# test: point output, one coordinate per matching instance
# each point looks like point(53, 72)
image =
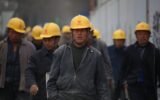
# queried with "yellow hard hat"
point(28, 29)
point(92, 27)
point(50, 30)
point(79, 22)
point(36, 32)
point(17, 25)
point(119, 34)
point(96, 33)
point(142, 26)
point(66, 29)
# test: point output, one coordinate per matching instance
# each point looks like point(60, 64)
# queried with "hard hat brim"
point(48, 36)
point(118, 38)
point(19, 31)
point(80, 27)
point(37, 38)
point(142, 30)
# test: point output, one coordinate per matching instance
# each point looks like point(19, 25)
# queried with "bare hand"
point(34, 89)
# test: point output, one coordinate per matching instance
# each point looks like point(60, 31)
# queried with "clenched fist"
point(34, 89)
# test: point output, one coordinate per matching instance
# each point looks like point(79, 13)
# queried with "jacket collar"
point(146, 45)
point(69, 45)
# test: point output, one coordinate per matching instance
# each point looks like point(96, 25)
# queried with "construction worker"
point(77, 71)
point(36, 39)
point(14, 51)
point(28, 33)
point(96, 34)
point(101, 46)
point(66, 36)
point(141, 66)
point(40, 62)
point(116, 53)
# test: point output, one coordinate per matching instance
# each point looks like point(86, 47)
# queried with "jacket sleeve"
point(53, 76)
point(157, 62)
point(106, 58)
point(125, 68)
point(101, 81)
point(30, 72)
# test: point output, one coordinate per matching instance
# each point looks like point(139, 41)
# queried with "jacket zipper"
point(75, 71)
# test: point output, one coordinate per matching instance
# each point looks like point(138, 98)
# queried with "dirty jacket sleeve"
point(157, 62)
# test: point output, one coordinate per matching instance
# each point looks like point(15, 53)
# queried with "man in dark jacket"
point(77, 71)
point(66, 36)
point(36, 39)
point(116, 53)
point(40, 62)
point(141, 66)
point(101, 46)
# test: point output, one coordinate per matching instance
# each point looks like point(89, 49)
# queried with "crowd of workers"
point(80, 64)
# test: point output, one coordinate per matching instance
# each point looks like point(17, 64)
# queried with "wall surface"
point(154, 18)
point(126, 14)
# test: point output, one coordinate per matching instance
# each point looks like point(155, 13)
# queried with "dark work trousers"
point(141, 92)
point(11, 92)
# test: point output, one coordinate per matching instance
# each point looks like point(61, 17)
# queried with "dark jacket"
point(136, 63)
point(116, 56)
point(88, 82)
point(25, 51)
point(64, 39)
point(39, 64)
point(102, 47)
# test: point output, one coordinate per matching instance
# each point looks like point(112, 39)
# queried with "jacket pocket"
point(87, 85)
point(63, 83)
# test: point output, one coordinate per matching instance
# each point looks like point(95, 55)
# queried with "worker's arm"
point(101, 81)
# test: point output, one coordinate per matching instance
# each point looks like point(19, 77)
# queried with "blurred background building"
point(110, 15)
point(41, 11)
point(106, 15)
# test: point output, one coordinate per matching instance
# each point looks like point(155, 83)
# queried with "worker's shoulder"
point(3, 41)
point(101, 42)
point(28, 44)
point(60, 49)
point(94, 50)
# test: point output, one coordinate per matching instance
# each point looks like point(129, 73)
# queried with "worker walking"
point(66, 36)
point(116, 53)
point(36, 38)
point(141, 66)
point(101, 46)
point(14, 51)
point(77, 71)
point(40, 62)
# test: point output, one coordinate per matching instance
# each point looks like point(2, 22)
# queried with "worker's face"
point(119, 43)
point(14, 36)
point(142, 37)
point(51, 43)
point(80, 36)
point(68, 35)
point(37, 42)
